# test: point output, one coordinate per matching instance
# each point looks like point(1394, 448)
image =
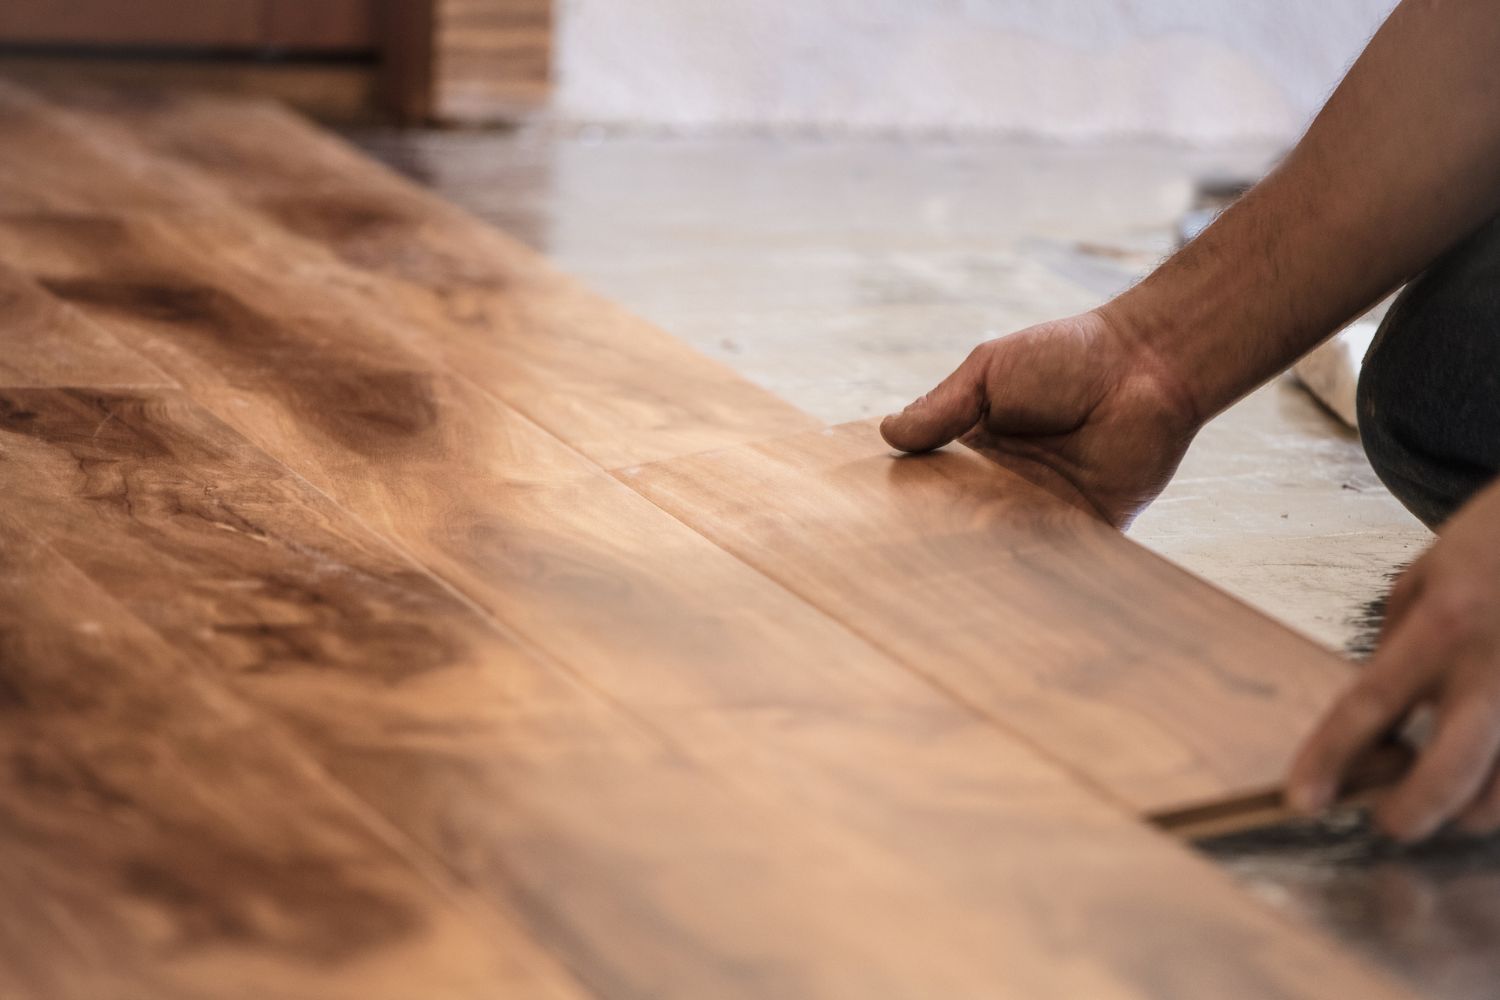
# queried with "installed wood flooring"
point(382, 614)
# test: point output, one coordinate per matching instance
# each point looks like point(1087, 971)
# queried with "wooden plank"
point(320, 25)
point(1138, 675)
point(1121, 727)
point(977, 865)
point(614, 387)
point(493, 59)
point(75, 258)
point(647, 879)
point(330, 92)
point(879, 840)
point(168, 290)
point(29, 163)
point(43, 343)
point(217, 23)
point(161, 841)
point(406, 32)
point(1372, 777)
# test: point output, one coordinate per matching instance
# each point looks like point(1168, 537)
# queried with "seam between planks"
point(448, 367)
point(1101, 795)
point(977, 712)
point(1266, 622)
point(80, 127)
point(437, 868)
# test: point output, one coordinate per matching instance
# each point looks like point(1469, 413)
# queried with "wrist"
point(1155, 368)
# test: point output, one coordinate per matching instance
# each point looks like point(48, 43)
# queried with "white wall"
point(1197, 70)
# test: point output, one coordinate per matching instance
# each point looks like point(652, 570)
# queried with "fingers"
point(1450, 772)
point(956, 405)
point(1391, 684)
point(1482, 816)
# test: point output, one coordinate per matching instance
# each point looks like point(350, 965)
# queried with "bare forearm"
point(1402, 163)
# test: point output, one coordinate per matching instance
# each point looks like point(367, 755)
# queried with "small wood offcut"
point(382, 614)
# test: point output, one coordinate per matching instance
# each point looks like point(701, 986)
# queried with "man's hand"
point(1440, 647)
point(1077, 406)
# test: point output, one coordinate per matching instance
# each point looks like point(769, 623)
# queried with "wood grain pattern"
point(320, 25)
point(493, 59)
point(503, 769)
point(38, 142)
point(161, 840)
point(44, 343)
point(612, 386)
point(716, 792)
point(734, 887)
point(406, 54)
point(234, 23)
point(306, 390)
point(341, 92)
point(1141, 677)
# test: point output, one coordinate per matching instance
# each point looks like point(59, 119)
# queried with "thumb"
point(943, 414)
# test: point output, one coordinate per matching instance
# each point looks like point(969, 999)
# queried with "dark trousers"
point(1429, 392)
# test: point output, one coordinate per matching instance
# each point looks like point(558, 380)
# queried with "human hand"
point(1440, 646)
point(1078, 406)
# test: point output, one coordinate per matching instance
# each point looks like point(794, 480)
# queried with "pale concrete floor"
point(849, 276)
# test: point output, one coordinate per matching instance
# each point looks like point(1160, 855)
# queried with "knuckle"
point(976, 366)
point(1421, 805)
point(1434, 798)
point(1456, 609)
point(1405, 816)
point(1481, 820)
point(1398, 826)
point(1367, 707)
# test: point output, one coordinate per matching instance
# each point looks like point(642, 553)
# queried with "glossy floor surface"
point(849, 275)
point(384, 613)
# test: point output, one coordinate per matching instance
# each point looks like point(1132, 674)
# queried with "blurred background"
point(1190, 70)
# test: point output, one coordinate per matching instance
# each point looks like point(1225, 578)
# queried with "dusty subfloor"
point(849, 276)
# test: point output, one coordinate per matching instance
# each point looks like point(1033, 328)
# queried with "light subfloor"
point(849, 276)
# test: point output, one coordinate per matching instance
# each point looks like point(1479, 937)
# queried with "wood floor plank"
point(44, 343)
point(37, 143)
point(611, 385)
point(159, 841)
point(645, 876)
point(286, 346)
point(783, 809)
point(1144, 678)
point(356, 414)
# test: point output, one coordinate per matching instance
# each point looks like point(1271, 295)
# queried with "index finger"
point(1397, 676)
